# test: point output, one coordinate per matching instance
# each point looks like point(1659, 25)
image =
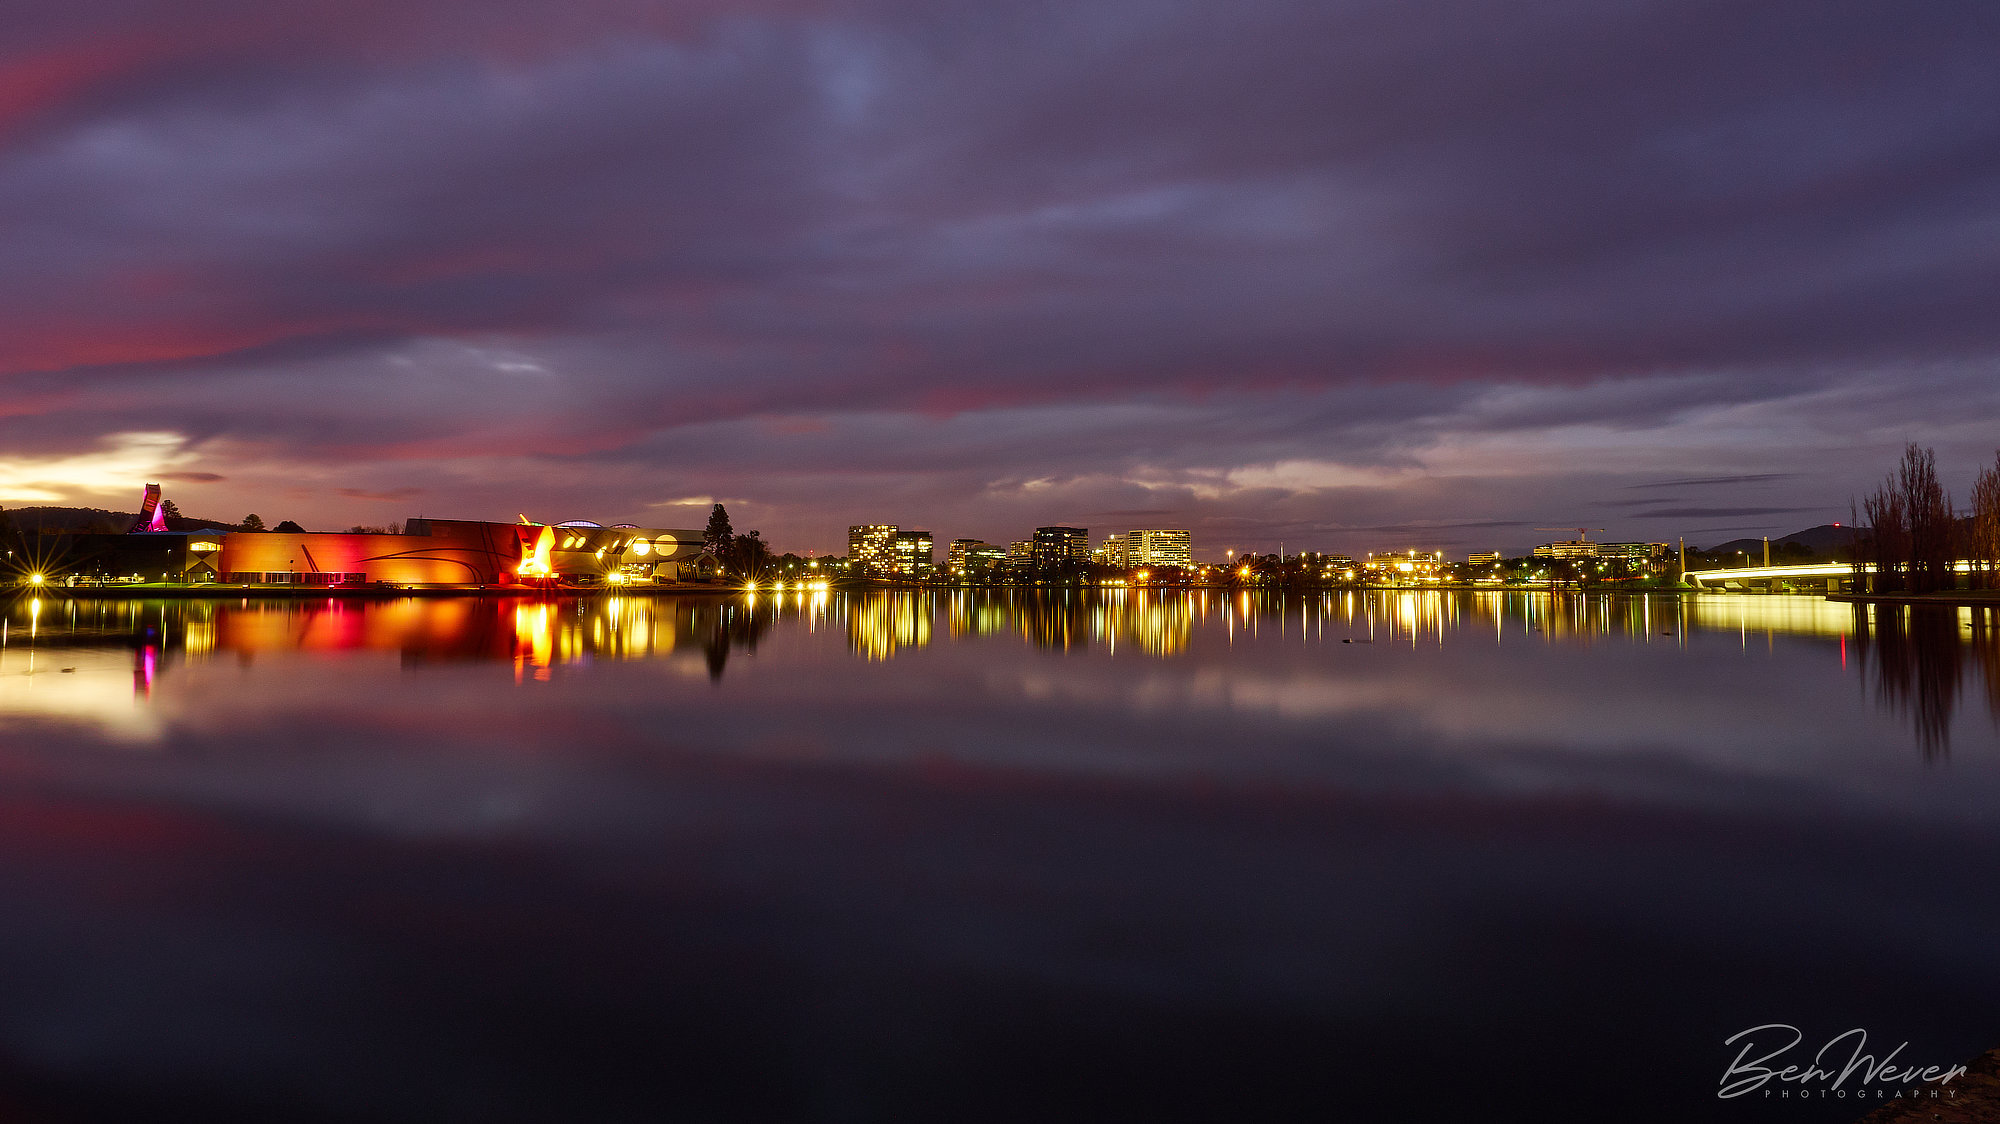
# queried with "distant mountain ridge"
point(1827, 539)
point(95, 520)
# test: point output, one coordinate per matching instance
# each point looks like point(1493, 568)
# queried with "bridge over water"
point(1822, 577)
point(1828, 577)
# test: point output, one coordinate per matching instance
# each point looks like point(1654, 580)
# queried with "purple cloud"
point(1272, 270)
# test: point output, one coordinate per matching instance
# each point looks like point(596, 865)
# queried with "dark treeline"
point(747, 556)
point(1915, 536)
point(1918, 658)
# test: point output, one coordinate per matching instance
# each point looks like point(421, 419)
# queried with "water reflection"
point(1918, 658)
point(1916, 662)
point(821, 850)
point(878, 627)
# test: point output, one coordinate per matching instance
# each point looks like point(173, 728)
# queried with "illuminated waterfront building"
point(1632, 552)
point(974, 556)
point(459, 552)
point(913, 553)
point(456, 553)
point(1483, 558)
point(145, 555)
point(1405, 565)
point(1569, 548)
point(1112, 551)
point(1157, 548)
point(871, 547)
point(1055, 546)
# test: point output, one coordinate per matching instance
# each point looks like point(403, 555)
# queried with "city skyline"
point(885, 546)
point(1335, 275)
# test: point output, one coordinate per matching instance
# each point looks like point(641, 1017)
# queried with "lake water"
point(898, 856)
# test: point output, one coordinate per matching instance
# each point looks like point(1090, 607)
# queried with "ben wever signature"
point(1884, 1076)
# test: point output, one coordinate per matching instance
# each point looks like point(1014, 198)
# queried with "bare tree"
point(1888, 542)
point(1933, 529)
point(1984, 549)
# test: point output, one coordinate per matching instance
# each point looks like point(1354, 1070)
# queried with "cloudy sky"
point(1346, 275)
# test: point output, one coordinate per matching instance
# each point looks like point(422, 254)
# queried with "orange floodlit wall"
point(461, 552)
point(455, 552)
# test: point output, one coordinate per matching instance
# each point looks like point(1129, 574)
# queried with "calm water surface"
point(1410, 856)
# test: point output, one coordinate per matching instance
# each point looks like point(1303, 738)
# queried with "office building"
point(1567, 549)
point(1421, 565)
point(1483, 558)
point(912, 554)
point(1111, 552)
point(984, 558)
point(973, 556)
point(1157, 548)
point(1631, 552)
point(871, 548)
point(1057, 546)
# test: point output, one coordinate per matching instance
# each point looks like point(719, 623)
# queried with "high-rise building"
point(1157, 548)
point(913, 553)
point(954, 559)
point(1112, 551)
point(871, 547)
point(1055, 546)
point(1631, 551)
point(973, 556)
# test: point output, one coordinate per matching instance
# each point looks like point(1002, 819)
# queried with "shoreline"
point(1959, 597)
point(217, 592)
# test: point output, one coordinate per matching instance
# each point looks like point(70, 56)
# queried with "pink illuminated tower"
point(152, 516)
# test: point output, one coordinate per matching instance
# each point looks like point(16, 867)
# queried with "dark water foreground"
point(908, 857)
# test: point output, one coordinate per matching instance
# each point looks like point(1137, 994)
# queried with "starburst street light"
point(38, 562)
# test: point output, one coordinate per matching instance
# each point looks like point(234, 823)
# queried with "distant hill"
point(1827, 540)
point(96, 520)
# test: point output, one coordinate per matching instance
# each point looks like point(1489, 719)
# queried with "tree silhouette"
point(1911, 532)
point(1985, 544)
point(719, 536)
point(749, 555)
point(1933, 531)
point(252, 522)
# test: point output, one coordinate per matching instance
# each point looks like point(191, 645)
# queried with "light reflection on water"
point(878, 625)
point(57, 655)
point(816, 856)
